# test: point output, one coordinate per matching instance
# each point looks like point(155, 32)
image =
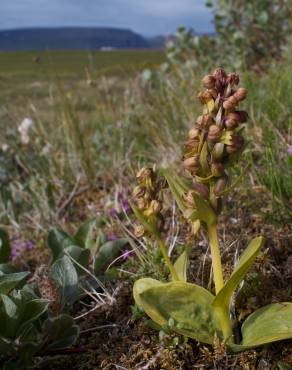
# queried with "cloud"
point(143, 16)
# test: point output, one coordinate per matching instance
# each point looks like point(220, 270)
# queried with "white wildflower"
point(24, 129)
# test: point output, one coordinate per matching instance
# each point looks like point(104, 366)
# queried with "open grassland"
point(59, 63)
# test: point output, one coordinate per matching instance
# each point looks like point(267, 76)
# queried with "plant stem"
point(167, 260)
point(216, 258)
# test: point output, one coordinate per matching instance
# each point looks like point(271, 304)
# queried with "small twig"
point(99, 327)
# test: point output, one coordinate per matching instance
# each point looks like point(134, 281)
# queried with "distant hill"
point(71, 38)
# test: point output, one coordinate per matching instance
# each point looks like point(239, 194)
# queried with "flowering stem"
point(167, 259)
point(216, 258)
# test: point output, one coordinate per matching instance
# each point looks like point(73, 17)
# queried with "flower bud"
point(240, 94)
point(205, 96)
point(201, 189)
point(193, 133)
point(220, 186)
point(192, 144)
point(214, 133)
point(230, 103)
point(217, 169)
point(191, 163)
point(217, 152)
point(155, 207)
point(233, 79)
point(189, 199)
point(139, 231)
point(141, 203)
point(138, 191)
point(220, 77)
point(208, 81)
point(237, 142)
point(243, 116)
point(232, 120)
point(144, 173)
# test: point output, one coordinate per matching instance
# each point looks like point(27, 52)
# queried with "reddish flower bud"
point(201, 189)
point(233, 79)
point(191, 163)
point(209, 81)
point(220, 186)
point(214, 133)
point(193, 133)
point(230, 103)
point(240, 94)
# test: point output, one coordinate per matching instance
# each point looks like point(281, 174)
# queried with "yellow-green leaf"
point(189, 306)
point(181, 265)
point(268, 324)
point(222, 299)
point(141, 285)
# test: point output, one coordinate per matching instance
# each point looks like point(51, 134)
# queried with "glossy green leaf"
point(189, 306)
point(223, 298)
point(62, 331)
point(107, 253)
point(84, 236)
point(80, 255)
point(268, 324)
point(64, 273)
point(58, 240)
point(30, 312)
point(9, 306)
point(4, 246)
point(11, 281)
point(181, 265)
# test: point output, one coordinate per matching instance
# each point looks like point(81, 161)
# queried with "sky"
point(147, 17)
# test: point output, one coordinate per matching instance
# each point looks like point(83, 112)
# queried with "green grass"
point(77, 62)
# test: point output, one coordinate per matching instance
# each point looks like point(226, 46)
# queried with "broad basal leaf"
point(58, 240)
point(189, 307)
point(80, 255)
point(107, 253)
point(10, 281)
point(268, 324)
point(64, 273)
point(84, 236)
point(62, 331)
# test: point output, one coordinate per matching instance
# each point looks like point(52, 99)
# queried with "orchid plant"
point(213, 144)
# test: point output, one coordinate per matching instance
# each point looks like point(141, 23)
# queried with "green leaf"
point(64, 273)
point(268, 324)
point(30, 312)
point(203, 159)
point(142, 285)
point(181, 265)
point(189, 307)
point(4, 246)
point(107, 253)
point(10, 281)
point(177, 187)
point(80, 255)
point(62, 331)
point(223, 298)
point(9, 306)
point(58, 240)
point(84, 236)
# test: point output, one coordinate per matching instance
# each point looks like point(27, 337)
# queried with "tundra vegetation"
point(190, 267)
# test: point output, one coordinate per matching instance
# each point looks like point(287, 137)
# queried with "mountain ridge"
point(71, 38)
